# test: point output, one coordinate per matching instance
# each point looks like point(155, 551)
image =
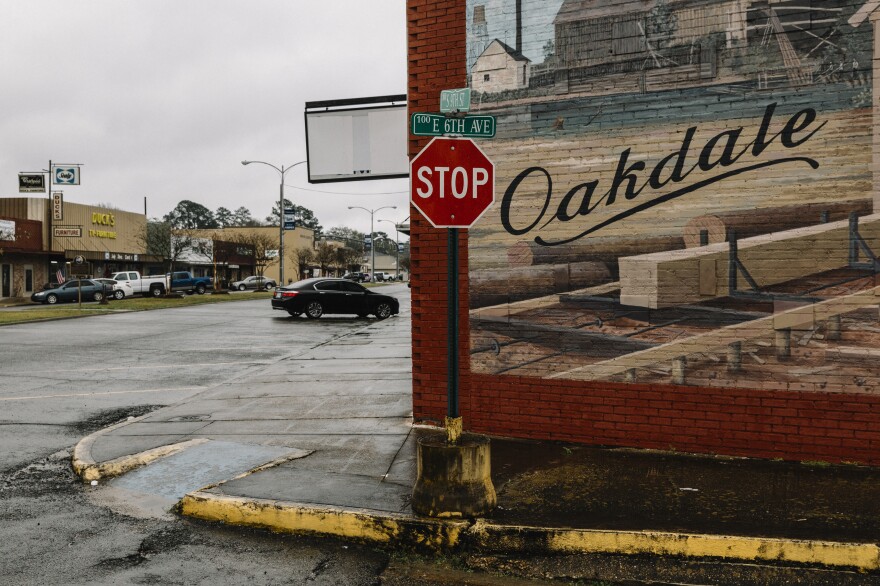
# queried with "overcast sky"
point(163, 99)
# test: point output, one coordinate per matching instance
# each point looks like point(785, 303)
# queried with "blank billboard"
point(357, 139)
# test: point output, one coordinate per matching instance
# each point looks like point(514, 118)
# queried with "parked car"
point(315, 297)
point(254, 283)
point(70, 291)
point(357, 277)
point(383, 276)
point(117, 289)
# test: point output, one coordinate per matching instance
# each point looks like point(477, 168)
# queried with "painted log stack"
point(495, 286)
point(754, 222)
point(692, 275)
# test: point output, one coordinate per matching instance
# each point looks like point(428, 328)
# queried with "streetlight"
point(397, 249)
point(282, 171)
point(372, 248)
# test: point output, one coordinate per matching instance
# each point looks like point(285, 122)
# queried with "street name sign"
point(468, 126)
point(452, 182)
point(458, 100)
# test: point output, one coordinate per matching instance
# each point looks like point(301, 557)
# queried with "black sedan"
point(71, 291)
point(315, 297)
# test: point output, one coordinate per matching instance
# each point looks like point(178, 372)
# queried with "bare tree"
point(265, 249)
point(302, 258)
point(325, 255)
point(348, 258)
point(161, 239)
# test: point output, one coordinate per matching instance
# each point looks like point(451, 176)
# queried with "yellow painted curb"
point(481, 535)
point(861, 556)
point(87, 469)
point(360, 524)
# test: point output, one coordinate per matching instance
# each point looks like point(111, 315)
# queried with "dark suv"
point(356, 277)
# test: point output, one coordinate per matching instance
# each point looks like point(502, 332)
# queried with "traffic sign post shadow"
point(452, 184)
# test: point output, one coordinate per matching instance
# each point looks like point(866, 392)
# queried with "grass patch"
point(66, 310)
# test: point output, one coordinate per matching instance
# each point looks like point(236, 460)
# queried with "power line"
point(346, 192)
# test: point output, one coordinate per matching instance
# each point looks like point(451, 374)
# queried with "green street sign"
point(458, 100)
point(437, 125)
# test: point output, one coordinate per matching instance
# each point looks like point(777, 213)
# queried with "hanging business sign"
point(67, 231)
point(62, 175)
point(57, 205)
point(7, 230)
point(31, 183)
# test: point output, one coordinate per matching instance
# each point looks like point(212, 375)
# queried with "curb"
point(484, 536)
point(86, 468)
point(360, 524)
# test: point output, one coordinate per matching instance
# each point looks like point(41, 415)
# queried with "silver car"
point(253, 283)
point(116, 289)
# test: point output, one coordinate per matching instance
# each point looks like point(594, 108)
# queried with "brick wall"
point(739, 421)
point(436, 36)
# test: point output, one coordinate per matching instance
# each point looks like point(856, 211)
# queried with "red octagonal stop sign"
point(452, 182)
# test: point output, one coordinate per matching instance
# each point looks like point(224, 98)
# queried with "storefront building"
point(263, 242)
point(110, 240)
point(683, 249)
point(22, 260)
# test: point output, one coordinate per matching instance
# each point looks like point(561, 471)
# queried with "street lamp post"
point(283, 170)
point(372, 247)
point(396, 250)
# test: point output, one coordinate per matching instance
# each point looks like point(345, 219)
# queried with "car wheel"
point(383, 310)
point(156, 291)
point(200, 289)
point(51, 299)
point(241, 287)
point(98, 296)
point(314, 310)
point(120, 294)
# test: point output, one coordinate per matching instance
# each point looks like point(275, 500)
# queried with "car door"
point(329, 293)
point(69, 291)
point(354, 299)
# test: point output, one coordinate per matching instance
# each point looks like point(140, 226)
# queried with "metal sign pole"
point(453, 419)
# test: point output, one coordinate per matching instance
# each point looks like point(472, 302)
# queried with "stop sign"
point(452, 182)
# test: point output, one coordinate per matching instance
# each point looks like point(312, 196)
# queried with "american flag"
point(60, 277)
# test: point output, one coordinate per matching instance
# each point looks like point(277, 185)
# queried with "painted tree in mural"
point(660, 25)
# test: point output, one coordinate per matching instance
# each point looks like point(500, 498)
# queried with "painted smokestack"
point(519, 26)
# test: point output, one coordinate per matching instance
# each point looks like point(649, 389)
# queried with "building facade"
point(45, 241)
point(683, 250)
point(265, 240)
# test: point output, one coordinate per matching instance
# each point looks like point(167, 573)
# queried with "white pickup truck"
point(156, 286)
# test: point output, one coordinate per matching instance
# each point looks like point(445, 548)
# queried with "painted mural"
point(684, 193)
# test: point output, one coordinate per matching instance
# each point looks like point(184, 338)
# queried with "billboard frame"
point(353, 105)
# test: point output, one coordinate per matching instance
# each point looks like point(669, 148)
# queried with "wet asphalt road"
point(61, 380)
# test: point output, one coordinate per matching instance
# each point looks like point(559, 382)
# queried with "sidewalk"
point(323, 443)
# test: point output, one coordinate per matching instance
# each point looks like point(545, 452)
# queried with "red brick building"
point(682, 253)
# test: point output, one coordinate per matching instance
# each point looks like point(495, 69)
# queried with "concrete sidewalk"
point(323, 443)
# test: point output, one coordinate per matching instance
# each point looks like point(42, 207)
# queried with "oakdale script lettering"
point(632, 180)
